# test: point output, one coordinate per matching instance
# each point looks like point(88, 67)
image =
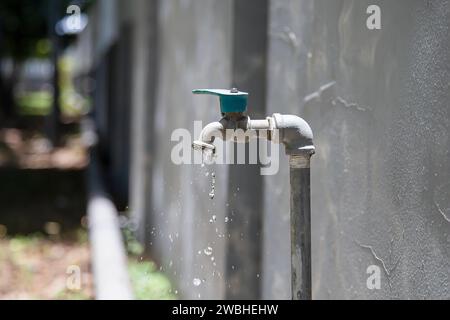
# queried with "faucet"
point(297, 137)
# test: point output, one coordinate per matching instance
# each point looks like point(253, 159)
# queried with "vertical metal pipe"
point(300, 226)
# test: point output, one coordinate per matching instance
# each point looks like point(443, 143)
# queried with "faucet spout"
point(208, 134)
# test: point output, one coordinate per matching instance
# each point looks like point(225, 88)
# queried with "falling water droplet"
point(208, 251)
point(208, 156)
point(196, 282)
point(226, 219)
point(213, 186)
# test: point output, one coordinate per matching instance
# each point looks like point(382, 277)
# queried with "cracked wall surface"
point(378, 103)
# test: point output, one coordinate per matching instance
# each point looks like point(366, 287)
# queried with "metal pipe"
point(259, 124)
point(299, 166)
point(297, 137)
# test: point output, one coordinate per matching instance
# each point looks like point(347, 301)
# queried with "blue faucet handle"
point(230, 100)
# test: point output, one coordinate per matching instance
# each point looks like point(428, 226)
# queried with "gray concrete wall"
point(380, 191)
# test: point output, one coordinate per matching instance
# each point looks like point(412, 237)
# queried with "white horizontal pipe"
point(259, 124)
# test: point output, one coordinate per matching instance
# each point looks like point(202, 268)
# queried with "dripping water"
point(212, 193)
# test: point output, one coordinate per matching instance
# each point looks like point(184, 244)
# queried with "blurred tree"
point(22, 25)
point(27, 30)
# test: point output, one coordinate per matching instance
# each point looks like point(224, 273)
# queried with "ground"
point(42, 213)
point(34, 267)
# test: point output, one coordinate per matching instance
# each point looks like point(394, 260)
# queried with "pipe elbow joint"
point(295, 133)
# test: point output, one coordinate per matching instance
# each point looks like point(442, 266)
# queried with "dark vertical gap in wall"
point(100, 97)
point(151, 80)
point(243, 257)
point(110, 103)
point(107, 106)
point(119, 116)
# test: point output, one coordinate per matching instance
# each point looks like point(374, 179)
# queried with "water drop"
point(208, 251)
point(226, 219)
point(213, 185)
point(196, 282)
point(209, 156)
